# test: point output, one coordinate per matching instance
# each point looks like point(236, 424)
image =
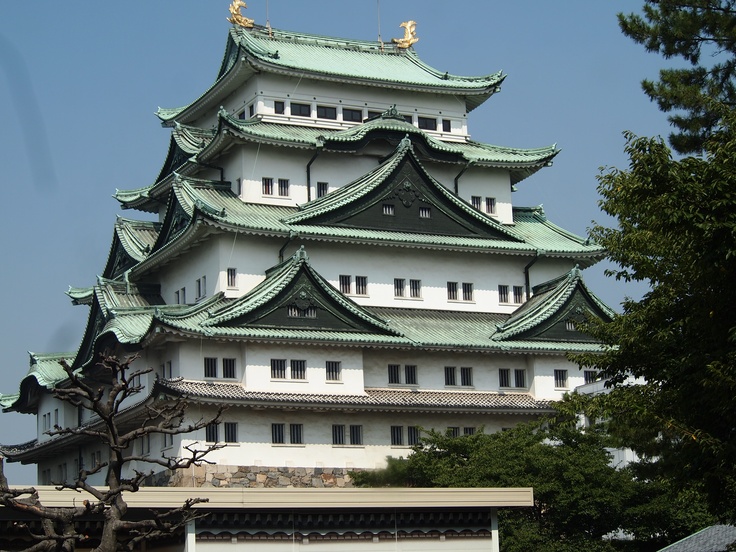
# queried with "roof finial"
point(410, 35)
point(237, 18)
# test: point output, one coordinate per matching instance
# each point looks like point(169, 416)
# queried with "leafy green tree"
point(703, 34)
point(676, 230)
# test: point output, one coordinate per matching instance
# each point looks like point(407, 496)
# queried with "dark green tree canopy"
point(703, 34)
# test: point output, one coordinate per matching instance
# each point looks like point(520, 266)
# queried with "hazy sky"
point(79, 86)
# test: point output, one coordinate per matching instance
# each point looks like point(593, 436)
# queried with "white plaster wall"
point(434, 268)
point(544, 381)
point(387, 545)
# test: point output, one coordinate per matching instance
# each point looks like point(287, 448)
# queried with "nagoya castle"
point(327, 252)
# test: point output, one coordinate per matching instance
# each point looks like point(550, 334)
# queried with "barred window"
point(212, 433)
point(415, 288)
point(518, 294)
point(399, 287)
point(468, 431)
point(453, 431)
point(475, 201)
point(361, 285)
point(284, 187)
point(231, 432)
point(450, 378)
point(503, 294)
point(292, 311)
point(397, 435)
point(296, 436)
point(590, 376)
point(267, 186)
point(277, 434)
point(519, 378)
point(466, 376)
point(278, 368)
point(504, 377)
point(232, 277)
point(410, 374)
point(299, 369)
point(394, 373)
point(210, 367)
point(491, 205)
point(346, 283)
point(425, 212)
point(452, 291)
point(414, 435)
point(338, 434)
point(356, 434)
point(561, 379)
point(228, 368)
point(388, 209)
point(322, 188)
point(467, 291)
point(333, 370)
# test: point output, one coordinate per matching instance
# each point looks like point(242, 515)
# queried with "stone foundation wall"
point(258, 477)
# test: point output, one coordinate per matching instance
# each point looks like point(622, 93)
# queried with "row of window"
point(280, 187)
point(200, 286)
point(297, 369)
point(349, 114)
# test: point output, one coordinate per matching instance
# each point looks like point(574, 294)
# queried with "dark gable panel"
point(558, 327)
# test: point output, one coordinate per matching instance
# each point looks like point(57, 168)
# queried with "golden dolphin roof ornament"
point(237, 18)
point(410, 35)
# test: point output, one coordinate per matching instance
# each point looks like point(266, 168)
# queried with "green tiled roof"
point(361, 62)
point(546, 302)
point(45, 371)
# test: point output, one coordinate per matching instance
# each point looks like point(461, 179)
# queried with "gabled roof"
point(553, 306)
point(293, 300)
point(132, 242)
point(338, 60)
point(716, 538)
point(402, 182)
point(44, 373)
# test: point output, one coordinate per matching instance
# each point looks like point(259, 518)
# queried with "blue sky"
point(79, 86)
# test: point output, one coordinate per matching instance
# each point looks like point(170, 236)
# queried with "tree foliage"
point(703, 34)
point(578, 496)
point(105, 392)
point(676, 230)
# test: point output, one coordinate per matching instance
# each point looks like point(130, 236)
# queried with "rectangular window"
point(238, 188)
point(300, 110)
point(145, 442)
point(231, 432)
point(561, 379)
point(352, 115)
point(201, 287)
point(399, 287)
point(346, 283)
point(467, 291)
point(452, 291)
point(466, 376)
point(182, 296)
point(168, 440)
point(56, 417)
point(252, 109)
point(241, 115)
point(232, 278)
point(519, 378)
point(518, 294)
point(468, 431)
point(415, 288)
point(277, 434)
point(284, 187)
point(503, 294)
point(397, 436)
point(228, 368)
point(450, 378)
point(278, 368)
point(410, 374)
point(326, 112)
point(409, 119)
point(388, 209)
point(491, 205)
point(453, 431)
point(446, 125)
point(338, 434)
point(333, 370)
point(278, 107)
point(322, 188)
point(373, 114)
point(504, 377)
point(394, 373)
point(210, 367)
point(299, 369)
point(570, 325)
point(296, 434)
point(590, 376)
point(425, 212)
point(292, 311)
point(356, 434)
point(427, 123)
point(361, 285)
point(212, 433)
point(413, 434)
point(475, 201)
point(267, 185)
